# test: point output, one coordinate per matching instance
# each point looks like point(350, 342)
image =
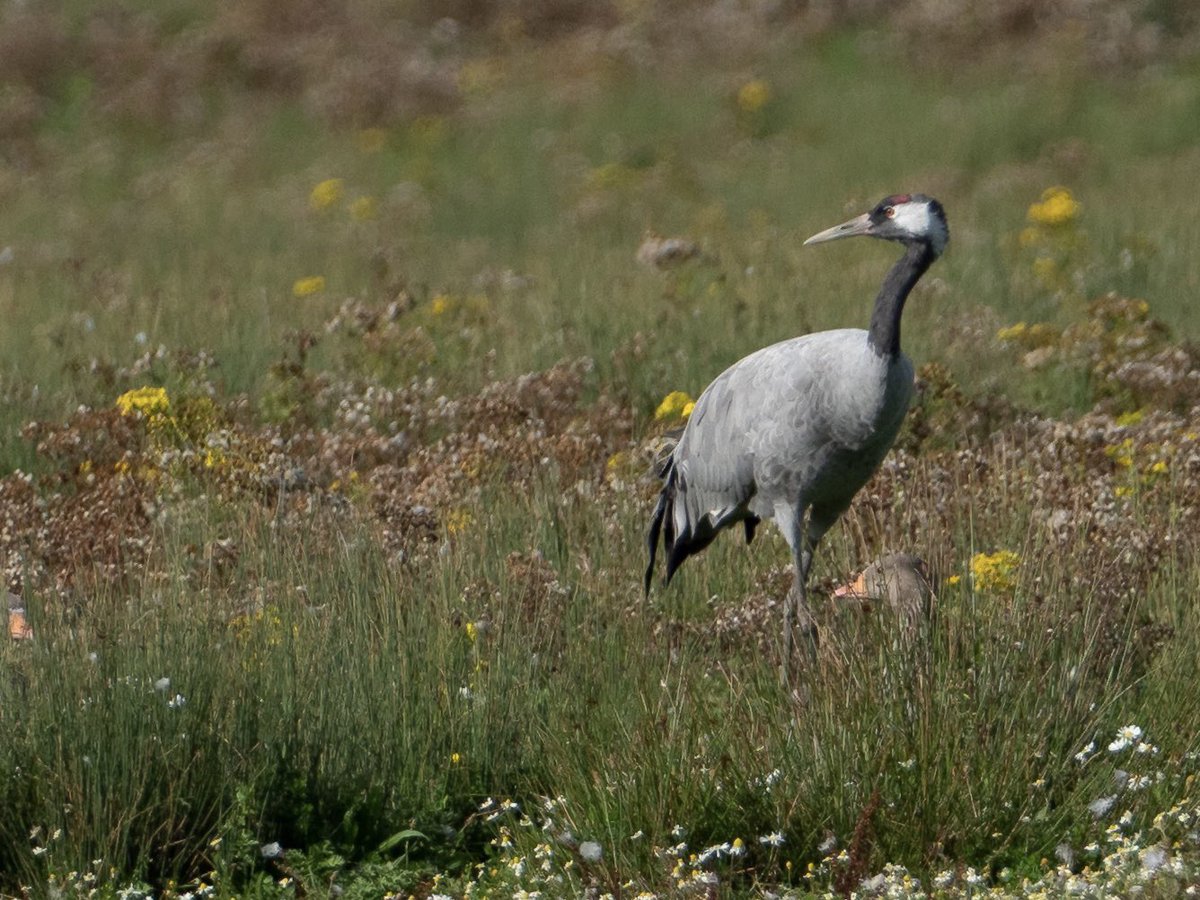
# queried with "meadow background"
point(331, 383)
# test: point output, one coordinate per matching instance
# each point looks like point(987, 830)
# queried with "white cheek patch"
point(916, 219)
point(912, 217)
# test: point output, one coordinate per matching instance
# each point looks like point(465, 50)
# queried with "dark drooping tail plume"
point(664, 511)
point(694, 537)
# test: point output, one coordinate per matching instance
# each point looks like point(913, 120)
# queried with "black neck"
point(884, 336)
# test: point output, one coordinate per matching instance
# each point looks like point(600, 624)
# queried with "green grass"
point(358, 694)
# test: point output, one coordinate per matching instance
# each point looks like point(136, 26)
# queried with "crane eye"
point(890, 212)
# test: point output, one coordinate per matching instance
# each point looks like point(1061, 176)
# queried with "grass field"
point(326, 447)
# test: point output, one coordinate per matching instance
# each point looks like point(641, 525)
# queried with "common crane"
point(799, 426)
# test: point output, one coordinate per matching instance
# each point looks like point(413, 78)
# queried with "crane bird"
point(799, 426)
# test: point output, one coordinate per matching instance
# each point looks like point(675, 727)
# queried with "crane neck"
point(884, 334)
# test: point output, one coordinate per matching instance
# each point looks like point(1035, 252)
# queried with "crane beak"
point(856, 227)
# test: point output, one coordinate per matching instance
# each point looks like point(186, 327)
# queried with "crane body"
point(793, 431)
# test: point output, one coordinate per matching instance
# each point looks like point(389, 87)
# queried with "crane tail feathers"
point(662, 523)
point(678, 545)
point(652, 537)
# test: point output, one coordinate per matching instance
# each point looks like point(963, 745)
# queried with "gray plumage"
point(800, 426)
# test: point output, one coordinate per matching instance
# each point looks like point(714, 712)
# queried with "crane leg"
point(797, 616)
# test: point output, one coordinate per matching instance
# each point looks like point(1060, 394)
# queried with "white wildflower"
point(873, 884)
point(1153, 859)
point(716, 851)
point(774, 839)
point(1126, 737)
point(1086, 753)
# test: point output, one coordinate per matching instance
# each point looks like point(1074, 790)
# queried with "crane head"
point(907, 218)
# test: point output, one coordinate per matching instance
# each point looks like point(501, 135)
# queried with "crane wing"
point(709, 478)
point(783, 427)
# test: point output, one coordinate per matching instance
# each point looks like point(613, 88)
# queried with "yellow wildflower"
point(455, 759)
point(676, 405)
point(1130, 418)
point(753, 95)
point(995, 572)
point(1057, 207)
point(1011, 332)
point(1122, 453)
point(149, 401)
point(1122, 490)
point(953, 580)
point(1029, 236)
point(306, 287)
point(363, 208)
point(457, 521)
point(440, 305)
point(372, 140)
point(1159, 468)
point(326, 193)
